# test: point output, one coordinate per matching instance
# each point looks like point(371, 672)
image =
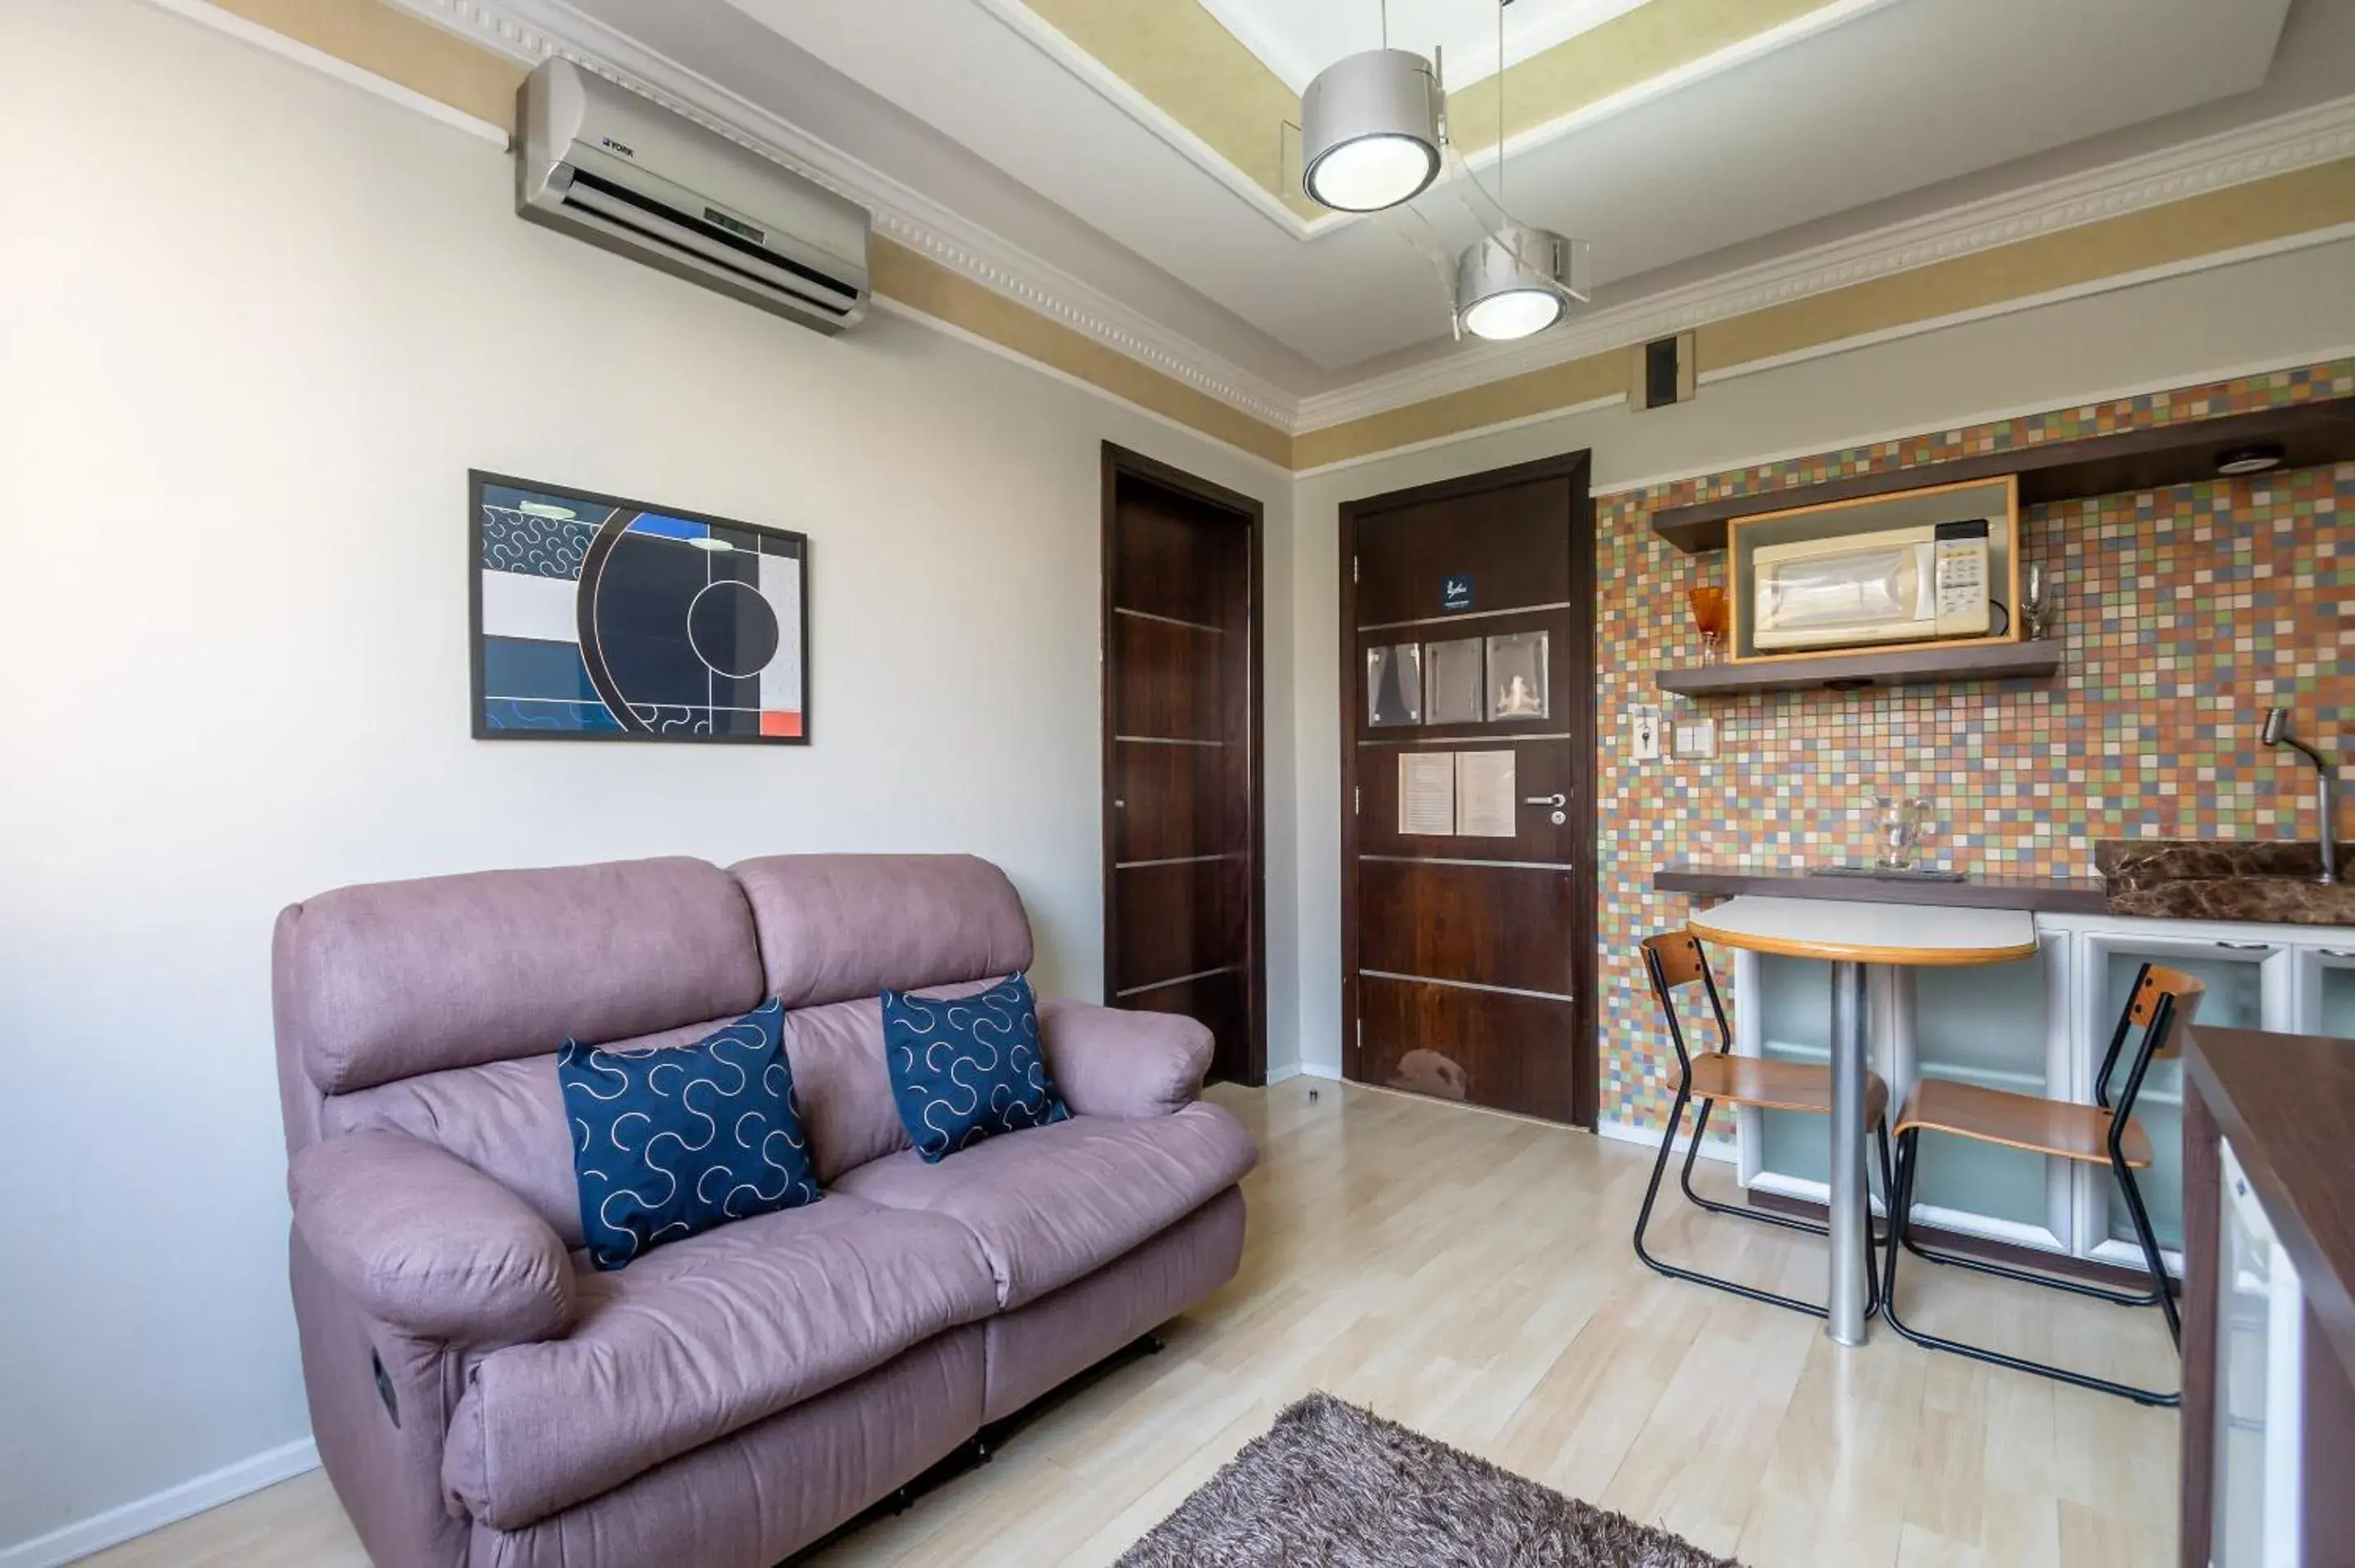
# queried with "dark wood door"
point(1468, 821)
point(1183, 894)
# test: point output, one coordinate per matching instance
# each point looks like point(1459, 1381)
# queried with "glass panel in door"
point(2334, 1016)
point(1794, 1024)
point(1984, 1026)
point(2235, 999)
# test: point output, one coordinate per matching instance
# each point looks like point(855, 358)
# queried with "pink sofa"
point(482, 1396)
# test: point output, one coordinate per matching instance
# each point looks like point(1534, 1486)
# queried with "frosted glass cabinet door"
point(2247, 988)
point(2330, 986)
point(1991, 1025)
point(1794, 1010)
point(1988, 1025)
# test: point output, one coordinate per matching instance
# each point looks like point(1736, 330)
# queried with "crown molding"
point(2282, 145)
point(528, 31)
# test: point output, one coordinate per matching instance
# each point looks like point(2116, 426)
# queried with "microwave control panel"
point(1962, 576)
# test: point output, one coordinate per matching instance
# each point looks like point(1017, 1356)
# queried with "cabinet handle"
point(2246, 947)
point(2338, 953)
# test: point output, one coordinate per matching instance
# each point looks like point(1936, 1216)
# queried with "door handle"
point(2245, 947)
point(1556, 802)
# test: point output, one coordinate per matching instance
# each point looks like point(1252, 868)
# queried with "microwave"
point(1900, 585)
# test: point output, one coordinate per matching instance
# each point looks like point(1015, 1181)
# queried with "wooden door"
point(1183, 893)
point(1468, 933)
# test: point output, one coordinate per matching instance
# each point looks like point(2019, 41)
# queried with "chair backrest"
point(1674, 959)
point(2165, 998)
point(2162, 1003)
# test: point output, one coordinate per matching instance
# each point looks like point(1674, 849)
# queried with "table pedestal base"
point(1844, 1324)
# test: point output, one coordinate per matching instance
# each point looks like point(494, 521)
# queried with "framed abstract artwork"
point(600, 619)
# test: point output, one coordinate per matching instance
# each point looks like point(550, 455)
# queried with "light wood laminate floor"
point(1470, 1276)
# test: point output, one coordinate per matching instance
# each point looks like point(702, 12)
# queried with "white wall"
point(255, 325)
point(2261, 313)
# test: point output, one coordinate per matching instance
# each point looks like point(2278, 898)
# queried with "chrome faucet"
point(2277, 733)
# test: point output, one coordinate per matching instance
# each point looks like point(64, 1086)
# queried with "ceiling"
point(1134, 148)
point(1297, 39)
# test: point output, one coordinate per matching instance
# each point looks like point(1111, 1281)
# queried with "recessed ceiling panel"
point(1297, 39)
point(1893, 96)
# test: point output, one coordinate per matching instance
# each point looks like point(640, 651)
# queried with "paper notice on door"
point(1483, 794)
point(1427, 792)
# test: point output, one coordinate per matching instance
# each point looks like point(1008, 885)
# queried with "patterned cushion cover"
point(668, 1142)
point(968, 1067)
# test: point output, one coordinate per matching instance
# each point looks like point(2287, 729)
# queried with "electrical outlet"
point(1644, 730)
point(1698, 738)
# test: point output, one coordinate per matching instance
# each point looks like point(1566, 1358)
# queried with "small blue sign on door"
point(1455, 593)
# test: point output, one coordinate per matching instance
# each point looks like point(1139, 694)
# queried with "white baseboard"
point(1628, 1132)
point(1292, 1070)
point(157, 1509)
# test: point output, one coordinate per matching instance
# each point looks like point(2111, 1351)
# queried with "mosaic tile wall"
point(2185, 612)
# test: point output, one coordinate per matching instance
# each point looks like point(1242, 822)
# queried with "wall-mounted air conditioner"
point(598, 161)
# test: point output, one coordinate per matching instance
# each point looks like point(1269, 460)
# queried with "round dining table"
point(1853, 938)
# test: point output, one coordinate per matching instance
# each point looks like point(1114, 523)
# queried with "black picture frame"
point(634, 728)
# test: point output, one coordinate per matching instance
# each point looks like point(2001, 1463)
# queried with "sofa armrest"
point(425, 1242)
point(1110, 1061)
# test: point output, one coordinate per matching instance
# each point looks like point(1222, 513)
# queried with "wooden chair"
point(2163, 999)
point(1674, 959)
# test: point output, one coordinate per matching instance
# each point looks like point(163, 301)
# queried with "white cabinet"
point(2039, 1026)
point(2249, 981)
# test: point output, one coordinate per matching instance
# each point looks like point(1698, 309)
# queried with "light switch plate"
point(1643, 731)
point(1698, 738)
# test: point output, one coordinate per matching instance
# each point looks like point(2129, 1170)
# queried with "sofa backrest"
point(378, 983)
point(839, 926)
point(434, 1007)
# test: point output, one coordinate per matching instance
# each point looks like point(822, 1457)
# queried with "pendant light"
point(1514, 282)
point(1369, 132)
point(1520, 279)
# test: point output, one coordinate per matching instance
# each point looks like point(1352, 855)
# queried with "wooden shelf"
point(2309, 434)
point(1860, 672)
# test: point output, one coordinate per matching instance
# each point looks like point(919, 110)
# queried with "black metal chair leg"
point(1736, 1210)
point(2151, 1255)
point(1644, 1219)
point(2030, 1277)
point(1901, 1214)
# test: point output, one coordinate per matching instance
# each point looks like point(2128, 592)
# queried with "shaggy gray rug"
point(1332, 1486)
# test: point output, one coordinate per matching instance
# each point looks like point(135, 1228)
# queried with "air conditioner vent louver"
point(597, 161)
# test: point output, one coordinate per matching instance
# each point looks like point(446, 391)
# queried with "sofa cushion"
point(1056, 1203)
point(837, 927)
point(669, 1141)
point(507, 1119)
point(967, 1069)
point(700, 1339)
point(386, 982)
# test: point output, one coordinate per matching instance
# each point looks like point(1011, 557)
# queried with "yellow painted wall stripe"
point(398, 47)
point(924, 285)
point(2320, 197)
point(392, 44)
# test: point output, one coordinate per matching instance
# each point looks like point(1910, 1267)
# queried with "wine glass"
point(1709, 615)
point(2036, 603)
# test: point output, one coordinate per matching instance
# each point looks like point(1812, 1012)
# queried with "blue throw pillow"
point(674, 1139)
point(968, 1067)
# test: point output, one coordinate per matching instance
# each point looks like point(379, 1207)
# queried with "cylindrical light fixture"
point(1514, 282)
point(1369, 130)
